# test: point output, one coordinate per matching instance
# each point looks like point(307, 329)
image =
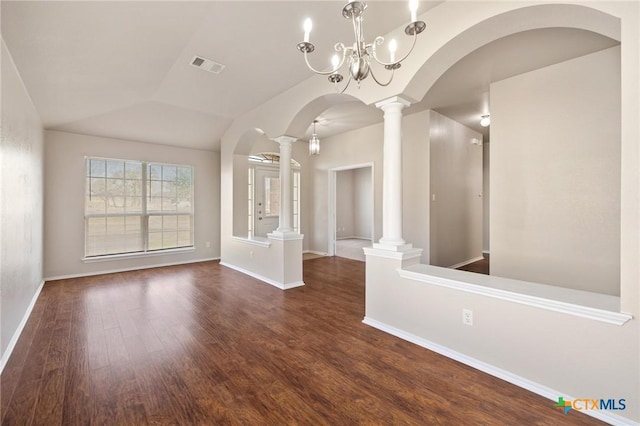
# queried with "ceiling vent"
point(207, 64)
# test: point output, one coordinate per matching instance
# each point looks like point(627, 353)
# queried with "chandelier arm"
point(306, 59)
point(375, 57)
point(377, 81)
point(357, 34)
point(346, 85)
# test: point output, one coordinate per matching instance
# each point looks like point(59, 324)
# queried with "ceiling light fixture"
point(360, 55)
point(314, 142)
point(485, 120)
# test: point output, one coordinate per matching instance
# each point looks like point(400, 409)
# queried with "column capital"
point(395, 100)
point(285, 140)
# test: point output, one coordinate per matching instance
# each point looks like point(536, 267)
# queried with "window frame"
point(145, 212)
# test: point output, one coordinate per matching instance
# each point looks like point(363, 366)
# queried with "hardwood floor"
point(203, 344)
point(479, 267)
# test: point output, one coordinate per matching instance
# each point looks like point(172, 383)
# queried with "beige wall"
point(64, 201)
point(347, 149)
point(456, 189)
point(345, 208)
point(21, 200)
point(555, 174)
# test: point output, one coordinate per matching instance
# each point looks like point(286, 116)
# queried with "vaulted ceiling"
point(122, 69)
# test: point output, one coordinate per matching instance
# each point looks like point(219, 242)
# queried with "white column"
point(286, 194)
point(392, 175)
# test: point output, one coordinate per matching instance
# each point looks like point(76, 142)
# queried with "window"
point(135, 206)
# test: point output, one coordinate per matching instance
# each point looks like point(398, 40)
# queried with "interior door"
point(267, 201)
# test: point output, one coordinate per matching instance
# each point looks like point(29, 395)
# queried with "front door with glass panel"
point(266, 201)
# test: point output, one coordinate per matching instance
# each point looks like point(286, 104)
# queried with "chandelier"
point(359, 56)
point(314, 142)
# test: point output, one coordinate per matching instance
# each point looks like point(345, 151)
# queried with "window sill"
point(137, 255)
point(256, 241)
point(598, 307)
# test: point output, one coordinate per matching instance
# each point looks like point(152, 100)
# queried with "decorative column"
point(286, 195)
point(392, 176)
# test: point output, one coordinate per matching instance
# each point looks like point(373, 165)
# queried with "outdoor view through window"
point(135, 206)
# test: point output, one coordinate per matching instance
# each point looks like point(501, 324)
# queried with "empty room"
point(274, 212)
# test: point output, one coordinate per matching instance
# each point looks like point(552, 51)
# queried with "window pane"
point(155, 240)
point(155, 189)
point(154, 204)
point(184, 239)
point(170, 223)
point(115, 187)
point(115, 205)
point(96, 186)
point(155, 223)
point(115, 169)
point(184, 222)
point(95, 233)
point(169, 173)
point(272, 196)
point(169, 189)
point(133, 187)
point(155, 171)
point(133, 204)
point(169, 240)
point(97, 168)
point(133, 170)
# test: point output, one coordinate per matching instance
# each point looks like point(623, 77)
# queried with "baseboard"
point(353, 237)
point(486, 252)
point(133, 268)
point(466, 262)
point(319, 253)
point(14, 339)
point(269, 281)
point(507, 376)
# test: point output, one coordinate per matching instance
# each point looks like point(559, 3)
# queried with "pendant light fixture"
point(314, 142)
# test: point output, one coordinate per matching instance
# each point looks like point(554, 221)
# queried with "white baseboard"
point(466, 262)
point(507, 376)
point(14, 339)
point(319, 253)
point(133, 268)
point(486, 252)
point(281, 286)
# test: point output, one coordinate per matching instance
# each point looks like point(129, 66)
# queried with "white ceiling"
point(121, 69)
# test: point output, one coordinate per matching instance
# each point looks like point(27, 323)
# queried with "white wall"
point(64, 201)
point(354, 203)
point(456, 184)
point(347, 149)
point(21, 205)
point(362, 202)
point(345, 205)
point(555, 174)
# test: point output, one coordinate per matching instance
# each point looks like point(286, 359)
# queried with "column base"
point(392, 247)
point(285, 235)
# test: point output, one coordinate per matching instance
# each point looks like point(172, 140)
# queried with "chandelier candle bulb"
point(307, 29)
point(359, 56)
point(393, 46)
point(413, 7)
point(335, 61)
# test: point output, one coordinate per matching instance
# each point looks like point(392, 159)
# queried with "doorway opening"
point(351, 211)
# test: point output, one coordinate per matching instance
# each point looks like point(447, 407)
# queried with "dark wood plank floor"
point(203, 344)
point(479, 267)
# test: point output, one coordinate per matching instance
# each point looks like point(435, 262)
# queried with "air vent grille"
point(207, 64)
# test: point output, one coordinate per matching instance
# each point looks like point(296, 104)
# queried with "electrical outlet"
point(467, 316)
